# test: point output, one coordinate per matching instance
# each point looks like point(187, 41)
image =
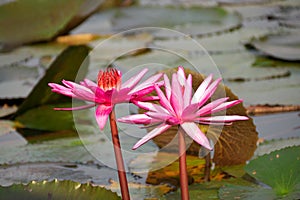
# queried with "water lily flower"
point(179, 106)
point(108, 91)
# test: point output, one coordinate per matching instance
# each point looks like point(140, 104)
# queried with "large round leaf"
point(56, 190)
point(279, 169)
point(284, 47)
point(22, 25)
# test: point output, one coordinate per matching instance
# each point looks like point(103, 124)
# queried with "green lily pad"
point(230, 192)
point(279, 169)
point(283, 46)
point(56, 190)
point(194, 20)
point(273, 145)
point(208, 190)
point(39, 171)
point(23, 26)
point(66, 66)
point(66, 149)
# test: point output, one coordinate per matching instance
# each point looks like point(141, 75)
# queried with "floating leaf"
point(277, 144)
point(48, 18)
point(66, 66)
point(141, 191)
point(230, 192)
point(39, 171)
point(286, 125)
point(283, 46)
point(208, 190)
point(194, 20)
point(56, 190)
point(279, 169)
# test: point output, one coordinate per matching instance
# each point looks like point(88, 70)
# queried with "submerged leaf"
point(56, 190)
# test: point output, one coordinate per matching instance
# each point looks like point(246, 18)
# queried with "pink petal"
point(102, 113)
point(181, 76)
point(136, 119)
point(141, 93)
point(120, 96)
point(146, 84)
point(209, 92)
point(155, 132)
point(80, 91)
point(134, 80)
point(187, 95)
point(226, 105)
point(89, 84)
point(207, 109)
point(196, 134)
point(200, 91)
point(146, 98)
point(101, 96)
point(61, 90)
point(228, 118)
point(84, 94)
point(167, 87)
point(77, 108)
point(159, 116)
point(176, 96)
point(215, 123)
point(163, 100)
point(189, 113)
point(151, 107)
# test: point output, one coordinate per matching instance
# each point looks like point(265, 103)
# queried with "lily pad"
point(47, 171)
point(277, 144)
point(207, 190)
point(230, 192)
point(279, 169)
point(284, 46)
point(193, 20)
point(142, 191)
point(48, 18)
point(56, 190)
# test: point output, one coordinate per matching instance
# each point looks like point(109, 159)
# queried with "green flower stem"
point(118, 156)
point(182, 166)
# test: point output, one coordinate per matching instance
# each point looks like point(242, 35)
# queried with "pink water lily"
point(107, 92)
point(179, 106)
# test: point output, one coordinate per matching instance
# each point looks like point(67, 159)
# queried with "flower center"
point(109, 79)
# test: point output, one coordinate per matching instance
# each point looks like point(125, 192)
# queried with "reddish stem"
point(207, 168)
point(118, 156)
point(182, 166)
